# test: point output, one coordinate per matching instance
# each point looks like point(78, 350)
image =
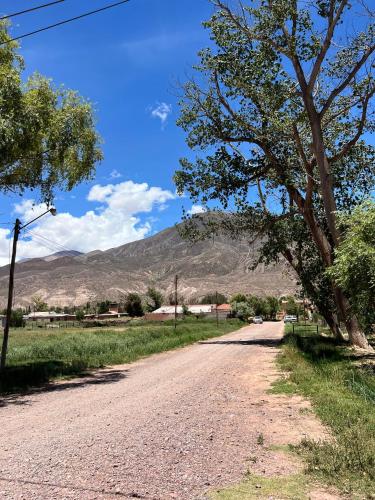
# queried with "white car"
point(258, 320)
point(289, 318)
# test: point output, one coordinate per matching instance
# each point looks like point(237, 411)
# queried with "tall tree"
point(47, 134)
point(282, 109)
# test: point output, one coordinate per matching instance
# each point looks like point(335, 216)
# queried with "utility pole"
point(17, 230)
point(4, 348)
point(175, 301)
point(217, 312)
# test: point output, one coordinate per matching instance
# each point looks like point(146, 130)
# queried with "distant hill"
point(57, 255)
point(222, 264)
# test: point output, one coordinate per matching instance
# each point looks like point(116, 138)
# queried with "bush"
point(133, 305)
point(16, 319)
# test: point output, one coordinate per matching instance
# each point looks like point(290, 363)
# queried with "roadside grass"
point(37, 357)
point(341, 387)
point(291, 487)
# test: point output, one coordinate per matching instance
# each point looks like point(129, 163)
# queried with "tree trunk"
point(332, 322)
point(356, 336)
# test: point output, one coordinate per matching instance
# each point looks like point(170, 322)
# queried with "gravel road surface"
point(174, 425)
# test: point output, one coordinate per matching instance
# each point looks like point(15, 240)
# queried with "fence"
point(307, 327)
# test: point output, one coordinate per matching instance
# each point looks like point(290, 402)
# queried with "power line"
point(31, 10)
point(65, 21)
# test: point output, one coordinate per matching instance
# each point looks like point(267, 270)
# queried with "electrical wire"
point(65, 21)
point(31, 10)
point(47, 241)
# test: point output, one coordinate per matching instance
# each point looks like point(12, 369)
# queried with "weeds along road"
point(174, 425)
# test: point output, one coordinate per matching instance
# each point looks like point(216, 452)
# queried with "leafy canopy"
point(354, 266)
point(47, 134)
point(280, 111)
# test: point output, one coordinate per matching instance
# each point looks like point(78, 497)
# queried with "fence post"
point(317, 329)
point(293, 327)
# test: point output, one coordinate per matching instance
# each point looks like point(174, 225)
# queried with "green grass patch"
point(343, 396)
point(36, 357)
point(286, 487)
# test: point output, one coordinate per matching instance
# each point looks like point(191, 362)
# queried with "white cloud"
point(196, 209)
point(161, 111)
point(115, 174)
point(113, 221)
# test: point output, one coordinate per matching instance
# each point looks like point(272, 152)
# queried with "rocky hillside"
point(220, 264)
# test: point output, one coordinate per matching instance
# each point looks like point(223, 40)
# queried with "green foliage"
point(273, 306)
point(354, 266)
point(133, 305)
point(103, 307)
point(48, 137)
point(38, 304)
point(154, 299)
point(80, 315)
point(185, 310)
point(214, 298)
point(36, 357)
point(324, 372)
point(16, 319)
point(280, 116)
point(238, 297)
point(242, 310)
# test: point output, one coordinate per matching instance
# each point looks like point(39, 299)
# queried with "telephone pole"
point(17, 230)
point(175, 301)
point(4, 347)
point(217, 312)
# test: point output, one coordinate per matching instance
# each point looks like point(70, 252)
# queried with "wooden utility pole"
point(217, 312)
point(175, 301)
point(4, 348)
point(17, 230)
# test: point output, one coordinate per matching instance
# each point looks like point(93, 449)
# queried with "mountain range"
point(73, 278)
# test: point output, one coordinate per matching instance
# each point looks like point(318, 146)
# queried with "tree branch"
point(359, 132)
point(347, 80)
point(332, 22)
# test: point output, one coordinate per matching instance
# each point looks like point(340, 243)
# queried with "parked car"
point(289, 318)
point(258, 320)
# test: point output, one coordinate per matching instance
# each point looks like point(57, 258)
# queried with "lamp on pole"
point(17, 229)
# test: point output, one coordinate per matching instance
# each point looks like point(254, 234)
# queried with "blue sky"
point(127, 61)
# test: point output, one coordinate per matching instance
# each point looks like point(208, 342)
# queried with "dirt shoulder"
point(174, 425)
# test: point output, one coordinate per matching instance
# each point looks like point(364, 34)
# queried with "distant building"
point(224, 311)
point(167, 312)
point(49, 316)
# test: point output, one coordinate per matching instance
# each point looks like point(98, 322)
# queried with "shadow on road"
point(261, 342)
point(85, 379)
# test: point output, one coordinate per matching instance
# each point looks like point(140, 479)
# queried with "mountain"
point(220, 264)
point(57, 255)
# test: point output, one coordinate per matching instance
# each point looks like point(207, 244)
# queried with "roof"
point(194, 309)
point(224, 307)
point(47, 314)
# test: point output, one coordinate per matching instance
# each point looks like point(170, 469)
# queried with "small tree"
point(273, 305)
point(238, 297)
point(16, 319)
point(80, 315)
point(133, 305)
point(38, 304)
point(103, 307)
point(154, 299)
point(242, 310)
point(213, 298)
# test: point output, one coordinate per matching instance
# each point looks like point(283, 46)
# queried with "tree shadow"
point(259, 342)
point(322, 348)
point(39, 377)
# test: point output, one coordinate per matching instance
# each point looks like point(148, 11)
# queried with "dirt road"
point(171, 426)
